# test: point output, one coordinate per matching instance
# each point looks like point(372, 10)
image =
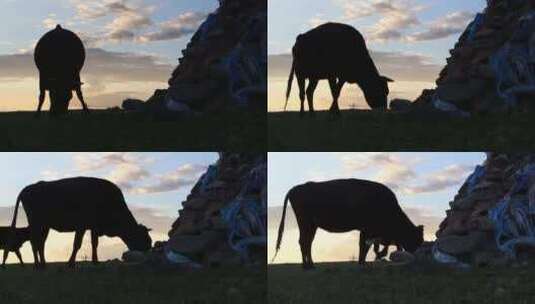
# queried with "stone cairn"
point(492, 218)
point(222, 221)
point(224, 65)
point(492, 66)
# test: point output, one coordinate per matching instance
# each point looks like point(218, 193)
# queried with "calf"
point(12, 242)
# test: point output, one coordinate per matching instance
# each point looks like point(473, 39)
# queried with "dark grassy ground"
point(130, 284)
point(380, 283)
point(375, 131)
point(106, 130)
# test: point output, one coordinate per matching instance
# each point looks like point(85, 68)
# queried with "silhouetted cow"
point(336, 52)
point(9, 243)
point(59, 56)
point(79, 204)
point(348, 204)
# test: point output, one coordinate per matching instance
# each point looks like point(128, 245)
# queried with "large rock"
point(191, 245)
point(460, 244)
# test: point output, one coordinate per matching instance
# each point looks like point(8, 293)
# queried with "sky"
point(132, 45)
point(409, 41)
point(424, 184)
point(154, 185)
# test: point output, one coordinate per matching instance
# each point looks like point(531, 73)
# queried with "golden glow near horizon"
point(58, 248)
point(350, 98)
point(21, 95)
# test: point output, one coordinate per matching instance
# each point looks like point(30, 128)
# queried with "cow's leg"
point(81, 98)
point(363, 247)
point(41, 246)
point(6, 253)
point(336, 88)
point(34, 242)
point(78, 237)
point(301, 85)
point(42, 94)
point(308, 248)
point(312, 84)
point(333, 85)
point(17, 252)
point(376, 250)
point(94, 246)
point(306, 236)
point(381, 254)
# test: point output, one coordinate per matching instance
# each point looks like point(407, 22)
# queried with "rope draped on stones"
point(514, 215)
point(246, 217)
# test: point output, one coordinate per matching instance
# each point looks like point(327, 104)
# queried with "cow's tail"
point(13, 232)
point(290, 80)
point(281, 226)
point(17, 203)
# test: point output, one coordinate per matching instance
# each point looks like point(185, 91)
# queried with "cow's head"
point(60, 96)
point(415, 239)
point(138, 238)
point(376, 92)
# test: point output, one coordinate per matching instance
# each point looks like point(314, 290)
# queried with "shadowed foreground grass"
point(116, 284)
point(106, 130)
point(380, 283)
point(359, 130)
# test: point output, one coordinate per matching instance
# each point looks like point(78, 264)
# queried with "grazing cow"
point(8, 244)
point(348, 204)
point(76, 205)
point(59, 56)
point(336, 52)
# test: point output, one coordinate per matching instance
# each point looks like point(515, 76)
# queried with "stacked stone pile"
point(492, 218)
point(492, 66)
point(224, 217)
point(224, 64)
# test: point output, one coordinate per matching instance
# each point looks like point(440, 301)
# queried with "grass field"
point(105, 130)
point(394, 284)
point(116, 284)
point(359, 130)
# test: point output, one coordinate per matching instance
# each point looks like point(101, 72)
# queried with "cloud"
point(102, 67)
point(394, 17)
point(126, 175)
point(450, 176)
point(185, 24)
point(397, 65)
point(450, 24)
point(131, 172)
point(390, 169)
point(183, 176)
point(131, 23)
point(50, 23)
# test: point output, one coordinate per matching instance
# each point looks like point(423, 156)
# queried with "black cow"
point(76, 205)
point(59, 56)
point(9, 243)
point(336, 52)
point(348, 204)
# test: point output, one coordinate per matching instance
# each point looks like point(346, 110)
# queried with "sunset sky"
point(132, 45)
point(154, 185)
point(409, 41)
point(424, 184)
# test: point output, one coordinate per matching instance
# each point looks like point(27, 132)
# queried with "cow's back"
point(59, 55)
point(75, 203)
point(331, 49)
point(346, 204)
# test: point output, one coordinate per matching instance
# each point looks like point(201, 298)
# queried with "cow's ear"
point(387, 79)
